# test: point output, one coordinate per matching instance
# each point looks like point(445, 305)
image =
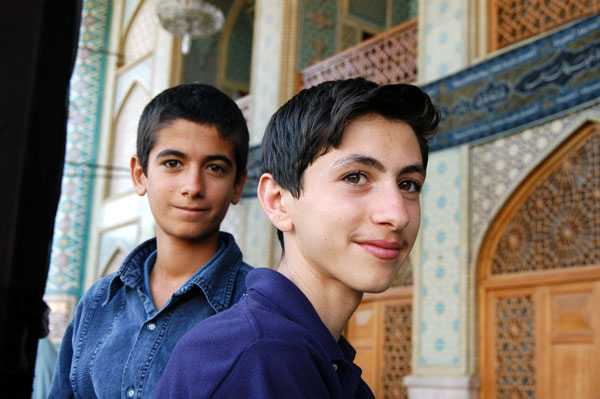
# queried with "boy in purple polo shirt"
point(343, 164)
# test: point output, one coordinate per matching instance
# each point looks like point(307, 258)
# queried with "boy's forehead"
point(187, 135)
point(376, 141)
point(368, 125)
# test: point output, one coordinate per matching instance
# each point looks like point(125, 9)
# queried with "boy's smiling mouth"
point(383, 249)
point(190, 210)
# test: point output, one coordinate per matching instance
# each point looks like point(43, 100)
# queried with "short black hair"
point(315, 119)
point(198, 103)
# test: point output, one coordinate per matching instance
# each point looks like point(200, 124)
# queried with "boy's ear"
point(238, 189)
point(275, 200)
point(137, 176)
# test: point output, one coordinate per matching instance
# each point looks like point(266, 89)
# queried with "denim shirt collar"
point(217, 282)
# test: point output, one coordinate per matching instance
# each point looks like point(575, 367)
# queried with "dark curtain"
point(38, 43)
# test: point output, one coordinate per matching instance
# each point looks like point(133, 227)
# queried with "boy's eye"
point(356, 178)
point(410, 186)
point(171, 163)
point(216, 169)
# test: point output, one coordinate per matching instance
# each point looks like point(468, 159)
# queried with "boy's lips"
point(190, 209)
point(383, 249)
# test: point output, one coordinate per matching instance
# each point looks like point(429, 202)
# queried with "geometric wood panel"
point(515, 347)
point(512, 21)
point(542, 340)
point(389, 57)
point(554, 219)
point(397, 349)
point(381, 332)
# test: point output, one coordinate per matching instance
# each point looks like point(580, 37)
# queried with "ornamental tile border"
point(70, 232)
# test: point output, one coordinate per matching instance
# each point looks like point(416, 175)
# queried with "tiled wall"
point(69, 245)
point(440, 269)
point(265, 91)
point(442, 25)
point(70, 233)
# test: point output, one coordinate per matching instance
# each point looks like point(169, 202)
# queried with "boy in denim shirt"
point(342, 164)
point(192, 147)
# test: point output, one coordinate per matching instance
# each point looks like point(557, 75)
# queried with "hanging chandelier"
point(190, 19)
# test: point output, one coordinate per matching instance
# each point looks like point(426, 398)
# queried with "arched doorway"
point(539, 281)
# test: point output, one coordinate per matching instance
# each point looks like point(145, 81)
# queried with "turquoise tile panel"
point(439, 341)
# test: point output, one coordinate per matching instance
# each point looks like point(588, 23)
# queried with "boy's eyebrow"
point(416, 168)
point(374, 163)
point(170, 153)
point(179, 154)
point(361, 159)
point(219, 157)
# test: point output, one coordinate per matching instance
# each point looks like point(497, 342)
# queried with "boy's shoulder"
point(238, 343)
point(256, 321)
point(134, 260)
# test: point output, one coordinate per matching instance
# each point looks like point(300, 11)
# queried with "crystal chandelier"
point(190, 19)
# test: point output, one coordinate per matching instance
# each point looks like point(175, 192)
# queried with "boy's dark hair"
point(314, 120)
point(198, 103)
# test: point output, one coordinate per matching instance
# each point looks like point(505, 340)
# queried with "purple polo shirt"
point(272, 344)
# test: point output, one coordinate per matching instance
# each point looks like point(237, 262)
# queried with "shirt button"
point(151, 326)
point(130, 393)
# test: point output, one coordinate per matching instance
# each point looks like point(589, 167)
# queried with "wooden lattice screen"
point(397, 350)
point(515, 347)
point(514, 20)
point(558, 226)
point(390, 57)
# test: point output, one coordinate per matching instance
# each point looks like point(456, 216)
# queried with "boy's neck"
point(334, 302)
point(177, 261)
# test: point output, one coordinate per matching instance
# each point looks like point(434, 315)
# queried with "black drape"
point(38, 42)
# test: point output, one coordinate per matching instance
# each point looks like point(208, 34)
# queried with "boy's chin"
point(193, 235)
point(376, 287)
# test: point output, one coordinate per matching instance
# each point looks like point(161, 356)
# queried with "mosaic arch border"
point(570, 128)
point(573, 126)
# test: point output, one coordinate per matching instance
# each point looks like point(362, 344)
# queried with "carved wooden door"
point(381, 332)
point(539, 281)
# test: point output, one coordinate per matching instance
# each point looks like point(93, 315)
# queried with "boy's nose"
point(390, 209)
point(193, 184)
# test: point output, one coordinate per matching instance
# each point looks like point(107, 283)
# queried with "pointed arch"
point(538, 276)
point(228, 36)
point(123, 138)
point(522, 190)
point(139, 37)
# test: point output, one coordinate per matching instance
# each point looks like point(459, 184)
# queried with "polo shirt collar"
point(294, 305)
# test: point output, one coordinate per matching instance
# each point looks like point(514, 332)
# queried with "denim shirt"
point(118, 343)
